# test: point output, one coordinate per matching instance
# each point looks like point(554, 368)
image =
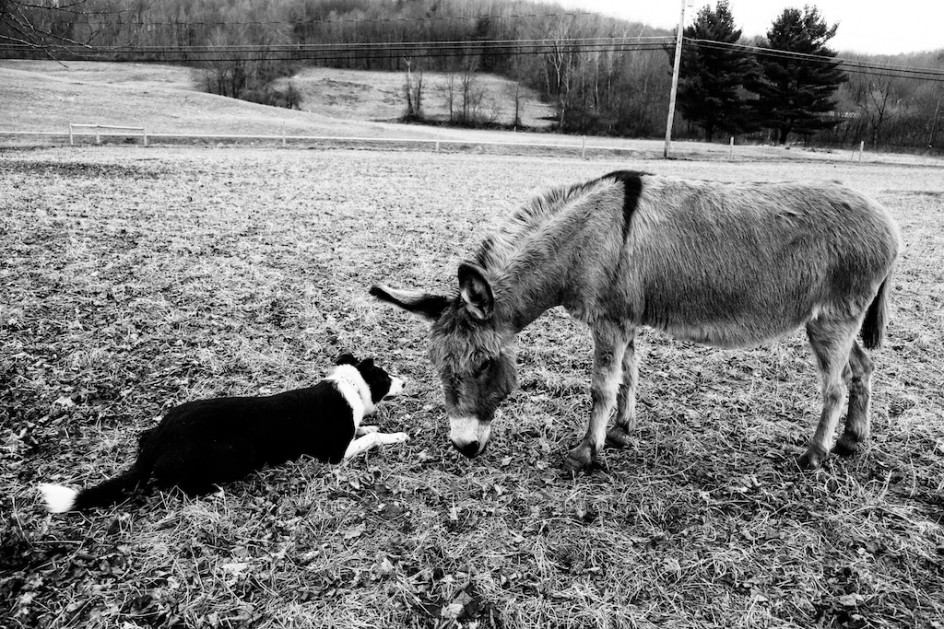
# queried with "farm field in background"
point(47, 96)
point(44, 97)
point(136, 279)
point(374, 95)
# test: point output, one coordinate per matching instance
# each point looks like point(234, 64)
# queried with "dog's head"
point(380, 383)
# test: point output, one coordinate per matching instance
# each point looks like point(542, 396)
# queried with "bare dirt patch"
point(132, 280)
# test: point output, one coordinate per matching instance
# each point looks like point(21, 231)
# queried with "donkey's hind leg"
point(620, 434)
point(831, 342)
point(859, 382)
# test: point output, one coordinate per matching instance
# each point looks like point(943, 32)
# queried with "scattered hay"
point(131, 284)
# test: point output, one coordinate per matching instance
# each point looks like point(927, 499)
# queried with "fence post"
point(437, 146)
point(71, 139)
point(98, 134)
point(144, 129)
point(861, 148)
point(583, 147)
point(731, 152)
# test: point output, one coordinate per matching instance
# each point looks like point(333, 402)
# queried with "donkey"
point(724, 264)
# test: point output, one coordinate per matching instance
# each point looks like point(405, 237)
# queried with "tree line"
point(789, 84)
point(602, 75)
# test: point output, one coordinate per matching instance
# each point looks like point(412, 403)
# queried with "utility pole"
point(675, 75)
point(934, 123)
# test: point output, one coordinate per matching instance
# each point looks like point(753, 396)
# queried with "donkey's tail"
point(873, 326)
point(60, 499)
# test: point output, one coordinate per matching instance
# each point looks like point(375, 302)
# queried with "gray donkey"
point(723, 264)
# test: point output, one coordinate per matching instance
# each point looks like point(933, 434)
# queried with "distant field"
point(44, 97)
point(367, 95)
point(134, 279)
point(47, 96)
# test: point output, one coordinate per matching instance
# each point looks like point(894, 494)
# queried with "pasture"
point(132, 280)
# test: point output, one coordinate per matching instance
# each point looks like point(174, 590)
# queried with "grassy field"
point(43, 97)
point(131, 280)
point(47, 96)
point(371, 95)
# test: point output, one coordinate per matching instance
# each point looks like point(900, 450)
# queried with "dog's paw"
point(366, 430)
point(394, 437)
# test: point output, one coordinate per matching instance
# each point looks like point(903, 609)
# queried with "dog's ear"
point(367, 363)
point(345, 359)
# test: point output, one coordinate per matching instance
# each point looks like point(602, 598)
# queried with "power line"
point(849, 65)
point(348, 51)
point(359, 50)
point(577, 42)
point(289, 53)
point(436, 18)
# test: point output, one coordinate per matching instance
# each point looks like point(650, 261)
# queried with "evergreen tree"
point(794, 91)
point(710, 77)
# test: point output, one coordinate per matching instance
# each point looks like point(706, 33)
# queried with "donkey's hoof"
point(617, 437)
point(847, 446)
point(579, 459)
point(811, 460)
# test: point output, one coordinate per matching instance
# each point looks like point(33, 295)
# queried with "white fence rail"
point(643, 149)
point(433, 143)
point(98, 131)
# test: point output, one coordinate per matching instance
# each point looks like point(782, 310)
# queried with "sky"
point(866, 26)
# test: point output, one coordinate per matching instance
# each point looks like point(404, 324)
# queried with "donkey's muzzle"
point(470, 449)
point(469, 435)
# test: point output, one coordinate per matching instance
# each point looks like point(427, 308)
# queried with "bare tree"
point(413, 90)
point(448, 90)
point(516, 98)
point(877, 98)
point(559, 61)
point(31, 26)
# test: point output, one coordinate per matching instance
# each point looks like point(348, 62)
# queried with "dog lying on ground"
point(205, 442)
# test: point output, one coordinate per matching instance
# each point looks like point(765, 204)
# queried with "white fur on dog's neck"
point(355, 390)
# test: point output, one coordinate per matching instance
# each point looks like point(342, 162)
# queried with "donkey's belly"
point(730, 335)
point(746, 323)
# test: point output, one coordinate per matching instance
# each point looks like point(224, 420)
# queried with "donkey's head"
point(472, 349)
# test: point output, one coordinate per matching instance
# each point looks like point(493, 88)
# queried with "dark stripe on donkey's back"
point(632, 184)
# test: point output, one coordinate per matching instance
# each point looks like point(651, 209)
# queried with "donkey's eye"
point(481, 368)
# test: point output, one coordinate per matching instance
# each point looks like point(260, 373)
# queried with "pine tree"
point(794, 91)
point(710, 77)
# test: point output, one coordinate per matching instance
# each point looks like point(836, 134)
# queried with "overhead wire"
point(446, 48)
point(845, 63)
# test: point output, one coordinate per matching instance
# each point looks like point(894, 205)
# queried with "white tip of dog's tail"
point(59, 499)
point(396, 387)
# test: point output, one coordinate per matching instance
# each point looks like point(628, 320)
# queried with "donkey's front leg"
point(609, 346)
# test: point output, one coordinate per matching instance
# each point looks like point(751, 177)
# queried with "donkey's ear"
point(345, 359)
point(424, 305)
point(475, 290)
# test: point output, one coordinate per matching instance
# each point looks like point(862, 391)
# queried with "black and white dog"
point(199, 444)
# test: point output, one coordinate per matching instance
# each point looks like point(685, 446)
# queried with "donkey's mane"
point(503, 245)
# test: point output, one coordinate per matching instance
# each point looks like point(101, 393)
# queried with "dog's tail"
point(60, 499)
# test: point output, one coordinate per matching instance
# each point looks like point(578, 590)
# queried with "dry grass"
point(46, 97)
point(372, 95)
point(137, 279)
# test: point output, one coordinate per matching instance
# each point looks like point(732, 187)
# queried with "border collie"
point(199, 444)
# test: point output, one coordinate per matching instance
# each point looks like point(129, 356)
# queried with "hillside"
point(45, 96)
point(371, 95)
